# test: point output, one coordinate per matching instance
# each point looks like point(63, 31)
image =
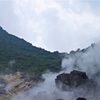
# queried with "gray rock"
point(81, 98)
point(2, 83)
point(73, 79)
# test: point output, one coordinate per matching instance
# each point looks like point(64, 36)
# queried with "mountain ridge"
point(24, 56)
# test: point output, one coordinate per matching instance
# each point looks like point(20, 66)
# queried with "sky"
point(55, 25)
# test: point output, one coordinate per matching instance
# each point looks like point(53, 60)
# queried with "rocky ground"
point(79, 83)
point(11, 84)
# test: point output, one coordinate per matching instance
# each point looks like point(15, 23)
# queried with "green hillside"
point(17, 54)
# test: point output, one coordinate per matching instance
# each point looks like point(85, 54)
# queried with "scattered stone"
point(81, 98)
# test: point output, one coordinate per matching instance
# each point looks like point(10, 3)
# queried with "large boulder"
point(72, 80)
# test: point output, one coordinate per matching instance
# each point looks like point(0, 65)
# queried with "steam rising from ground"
point(44, 91)
point(86, 60)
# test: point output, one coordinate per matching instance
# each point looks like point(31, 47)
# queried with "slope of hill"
point(17, 54)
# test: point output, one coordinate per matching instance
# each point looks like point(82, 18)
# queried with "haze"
point(55, 25)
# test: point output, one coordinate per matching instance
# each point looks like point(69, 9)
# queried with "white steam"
point(85, 60)
point(44, 91)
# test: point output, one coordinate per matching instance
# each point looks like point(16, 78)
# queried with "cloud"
point(8, 20)
point(54, 24)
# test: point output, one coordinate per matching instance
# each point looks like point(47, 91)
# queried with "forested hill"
point(17, 54)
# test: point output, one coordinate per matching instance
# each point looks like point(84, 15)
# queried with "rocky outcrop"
point(3, 94)
point(23, 82)
point(73, 79)
point(14, 83)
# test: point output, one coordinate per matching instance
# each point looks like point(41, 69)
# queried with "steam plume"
point(86, 60)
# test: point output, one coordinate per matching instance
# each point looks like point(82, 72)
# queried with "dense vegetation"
point(17, 54)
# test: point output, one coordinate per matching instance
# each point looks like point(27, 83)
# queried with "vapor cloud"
point(86, 60)
point(45, 91)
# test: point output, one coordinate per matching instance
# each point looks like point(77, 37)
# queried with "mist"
point(46, 90)
point(86, 60)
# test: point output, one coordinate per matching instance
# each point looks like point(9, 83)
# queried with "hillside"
point(17, 54)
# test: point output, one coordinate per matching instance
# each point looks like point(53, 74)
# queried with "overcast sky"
point(55, 25)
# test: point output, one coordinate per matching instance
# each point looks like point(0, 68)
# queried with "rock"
point(12, 84)
point(2, 83)
point(22, 81)
point(81, 98)
point(77, 78)
point(72, 80)
point(4, 95)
